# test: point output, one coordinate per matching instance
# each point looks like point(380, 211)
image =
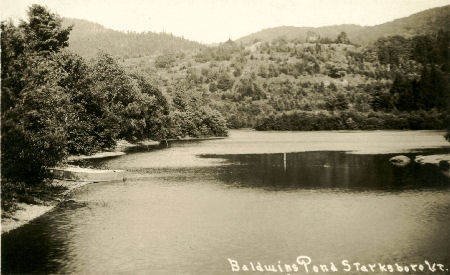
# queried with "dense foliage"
point(56, 103)
point(402, 68)
point(277, 85)
point(351, 120)
point(33, 104)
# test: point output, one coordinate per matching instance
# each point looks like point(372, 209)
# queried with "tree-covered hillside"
point(429, 21)
point(87, 38)
point(395, 83)
point(400, 69)
point(303, 34)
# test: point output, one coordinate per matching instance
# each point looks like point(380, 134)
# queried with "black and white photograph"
point(225, 137)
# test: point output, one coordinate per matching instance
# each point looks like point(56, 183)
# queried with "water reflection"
point(337, 170)
point(40, 246)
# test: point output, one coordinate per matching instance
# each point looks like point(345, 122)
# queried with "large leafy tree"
point(191, 115)
point(130, 106)
point(33, 131)
point(13, 47)
point(22, 46)
point(155, 109)
point(33, 104)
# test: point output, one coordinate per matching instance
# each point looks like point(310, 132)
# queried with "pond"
point(254, 198)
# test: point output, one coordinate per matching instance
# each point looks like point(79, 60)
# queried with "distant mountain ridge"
point(427, 21)
point(301, 33)
point(87, 38)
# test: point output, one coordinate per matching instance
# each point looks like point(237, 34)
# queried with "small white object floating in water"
point(86, 174)
point(326, 165)
point(400, 160)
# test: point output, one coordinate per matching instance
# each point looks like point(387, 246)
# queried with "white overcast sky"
point(212, 21)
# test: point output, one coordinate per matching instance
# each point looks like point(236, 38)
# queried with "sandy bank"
point(28, 212)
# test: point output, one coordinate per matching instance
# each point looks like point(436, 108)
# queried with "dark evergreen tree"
point(342, 38)
point(422, 48)
point(442, 50)
point(402, 93)
point(44, 31)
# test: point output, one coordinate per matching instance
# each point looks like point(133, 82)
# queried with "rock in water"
point(434, 159)
point(400, 160)
point(442, 161)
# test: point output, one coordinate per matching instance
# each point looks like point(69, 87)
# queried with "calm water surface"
point(253, 197)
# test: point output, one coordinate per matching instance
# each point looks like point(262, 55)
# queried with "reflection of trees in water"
point(327, 170)
point(39, 247)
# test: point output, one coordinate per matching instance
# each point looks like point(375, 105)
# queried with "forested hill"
point(425, 22)
point(299, 33)
point(87, 38)
point(395, 83)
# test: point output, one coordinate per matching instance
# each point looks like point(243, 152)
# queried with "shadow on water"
point(38, 248)
point(327, 169)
